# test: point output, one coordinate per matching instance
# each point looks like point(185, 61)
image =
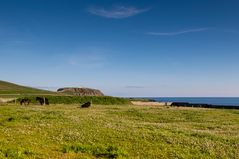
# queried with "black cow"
point(86, 105)
point(25, 101)
point(41, 100)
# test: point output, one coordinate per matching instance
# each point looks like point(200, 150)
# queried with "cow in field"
point(25, 101)
point(86, 105)
point(41, 100)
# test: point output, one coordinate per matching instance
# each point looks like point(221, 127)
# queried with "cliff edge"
point(80, 91)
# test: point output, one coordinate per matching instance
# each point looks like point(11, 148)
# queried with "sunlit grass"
point(67, 131)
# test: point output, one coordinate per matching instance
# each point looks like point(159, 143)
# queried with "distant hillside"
point(7, 88)
point(81, 91)
point(10, 91)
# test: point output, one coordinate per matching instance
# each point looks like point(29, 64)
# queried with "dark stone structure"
point(201, 105)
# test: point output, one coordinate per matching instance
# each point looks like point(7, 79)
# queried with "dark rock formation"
point(201, 105)
point(81, 91)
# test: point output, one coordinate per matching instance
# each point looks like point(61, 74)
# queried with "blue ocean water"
point(227, 101)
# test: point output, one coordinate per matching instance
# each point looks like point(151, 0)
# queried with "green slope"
point(7, 88)
point(10, 91)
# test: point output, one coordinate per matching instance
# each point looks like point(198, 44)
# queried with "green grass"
point(66, 131)
point(102, 100)
point(11, 91)
point(8, 89)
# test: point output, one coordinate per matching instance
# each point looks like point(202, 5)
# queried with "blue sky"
point(125, 48)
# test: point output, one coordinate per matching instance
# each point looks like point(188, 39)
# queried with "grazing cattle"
point(25, 101)
point(86, 105)
point(46, 101)
point(41, 100)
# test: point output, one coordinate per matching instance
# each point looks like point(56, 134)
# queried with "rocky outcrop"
point(81, 91)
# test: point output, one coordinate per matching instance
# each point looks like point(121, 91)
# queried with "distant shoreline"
point(183, 102)
point(218, 101)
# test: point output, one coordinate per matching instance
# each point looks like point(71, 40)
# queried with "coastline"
point(182, 104)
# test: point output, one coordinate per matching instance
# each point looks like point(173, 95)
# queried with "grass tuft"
point(97, 151)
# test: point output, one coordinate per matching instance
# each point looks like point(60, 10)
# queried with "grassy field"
point(66, 131)
point(102, 100)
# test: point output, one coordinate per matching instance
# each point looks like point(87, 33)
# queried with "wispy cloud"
point(46, 88)
point(231, 31)
point(134, 87)
point(90, 59)
point(177, 32)
point(117, 12)
point(87, 60)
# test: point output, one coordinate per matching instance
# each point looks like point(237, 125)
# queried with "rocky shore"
point(183, 104)
point(201, 105)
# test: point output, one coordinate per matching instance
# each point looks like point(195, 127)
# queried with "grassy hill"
point(11, 89)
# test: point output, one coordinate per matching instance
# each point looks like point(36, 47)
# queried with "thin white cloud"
point(89, 60)
point(132, 87)
point(46, 88)
point(178, 32)
point(118, 12)
point(231, 31)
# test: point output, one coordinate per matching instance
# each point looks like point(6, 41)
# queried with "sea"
point(224, 101)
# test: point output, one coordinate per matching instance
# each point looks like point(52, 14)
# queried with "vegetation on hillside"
point(10, 89)
point(80, 91)
point(60, 131)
